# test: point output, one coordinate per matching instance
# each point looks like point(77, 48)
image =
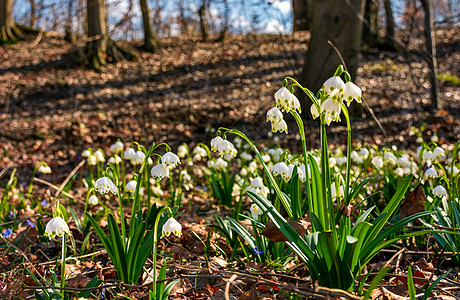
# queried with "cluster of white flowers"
point(257, 186)
point(168, 161)
point(199, 153)
point(275, 116)
point(104, 185)
point(223, 147)
point(182, 151)
point(335, 92)
point(218, 164)
point(286, 101)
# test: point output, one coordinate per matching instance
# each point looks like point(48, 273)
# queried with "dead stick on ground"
point(227, 286)
point(70, 176)
point(53, 186)
point(393, 257)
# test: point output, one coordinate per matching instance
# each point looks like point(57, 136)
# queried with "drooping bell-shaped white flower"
point(255, 211)
point(117, 147)
point(138, 158)
point(56, 227)
point(334, 191)
point(182, 151)
point(257, 182)
point(364, 153)
point(129, 153)
point(399, 171)
point(280, 126)
point(92, 161)
point(92, 200)
point(99, 156)
point(104, 185)
point(295, 104)
point(224, 147)
point(172, 226)
point(428, 155)
point(438, 152)
point(131, 186)
point(215, 142)
point(352, 91)
point(159, 171)
point(281, 169)
point(431, 173)
point(44, 169)
point(86, 153)
point(332, 109)
point(314, 111)
point(199, 153)
point(333, 83)
point(377, 161)
point(283, 99)
point(220, 164)
point(170, 160)
point(389, 158)
point(439, 191)
point(274, 115)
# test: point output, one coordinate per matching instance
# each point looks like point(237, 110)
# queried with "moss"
point(450, 79)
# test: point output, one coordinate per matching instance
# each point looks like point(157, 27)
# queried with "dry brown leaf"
point(274, 234)
point(413, 203)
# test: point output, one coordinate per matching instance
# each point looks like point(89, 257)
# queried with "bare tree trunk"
point(224, 29)
point(100, 49)
point(431, 50)
point(9, 32)
point(32, 13)
point(203, 21)
point(370, 27)
point(390, 25)
point(69, 35)
point(302, 14)
point(151, 43)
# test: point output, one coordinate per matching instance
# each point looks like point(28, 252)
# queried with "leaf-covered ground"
point(52, 111)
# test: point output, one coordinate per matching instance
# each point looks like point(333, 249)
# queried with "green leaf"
point(102, 236)
point(118, 249)
point(433, 285)
point(76, 219)
point(133, 250)
point(93, 283)
point(295, 196)
point(410, 284)
point(375, 282)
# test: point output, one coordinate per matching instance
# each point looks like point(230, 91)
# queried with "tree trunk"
point(203, 21)
point(100, 49)
point(302, 10)
point(370, 27)
point(390, 26)
point(431, 50)
point(32, 13)
point(69, 35)
point(9, 32)
point(151, 43)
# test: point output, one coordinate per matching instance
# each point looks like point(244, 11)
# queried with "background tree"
point(371, 24)
point(339, 22)
point(302, 10)
point(204, 25)
point(151, 42)
point(9, 31)
point(390, 41)
point(100, 48)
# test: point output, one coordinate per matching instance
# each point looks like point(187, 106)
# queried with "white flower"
point(157, 191)
point(252, 167)
point(434, 139)
point(86, 153)
point(332, 162)
point(99, 156)
point(199, 153)
point(438, 152)
point(428, 155)
point(266, 158)
point(281, 169)
point(314, 111)
point(215, 142)
point(172, 226)
point(44, 169)
point(274, 115)
point(93, 200)
point(117, 147)
point(104, 185)
point(56, 227)
point(439, 191)
point(224, 147)
point(342, 160)
point(170, 160)
point(454, 170)
point(138, 158)
point(364, 153)
point(159, 171)
point(276, 154)
point(257, 183)
point(182, 151)
point(403, 160)
point(280, 126)
point(301, 172)
point(431, 173)
point(92, 160)
point(131, 186)
point(255, 211)
point(333, 83)
point(390, 158)
point(377, 161)
point(332, 108)
point(115, 160)
point(246, 156)
point(283, 99)
point(352, 91)
point(243, 172)
point(399, 172)
point(129, 153)
point(220, 164)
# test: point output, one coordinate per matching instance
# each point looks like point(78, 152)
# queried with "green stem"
point(122, 218)
point(122, 155)
point(155, 244)
point(347, 178)
point(324, 174)
point(31, 183)
point(63, 265)
point(91, 177)
point(298, 119)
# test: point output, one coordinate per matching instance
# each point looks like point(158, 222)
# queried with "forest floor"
point(51, 111)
